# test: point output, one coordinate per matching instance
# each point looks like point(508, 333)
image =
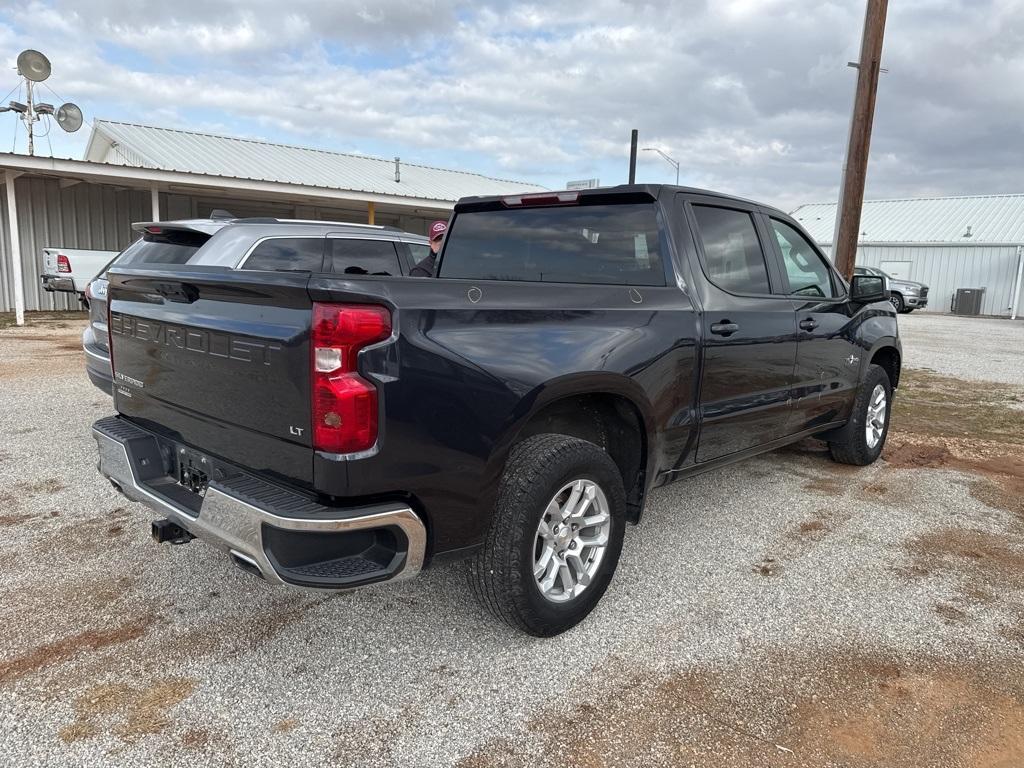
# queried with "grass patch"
point(942, 406)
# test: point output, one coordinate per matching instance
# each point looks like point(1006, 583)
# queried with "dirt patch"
point(1001, 466)
point(19, 491)
point(41, 320)
point(6, 521)
point(86, 538)
point(951, 613)
point(811, 526)
point(127, 711)
point(825, 486)
point(285, 724)
point(70, 647)
point(195, 738)
point(767, 567)
point(941, 422)
point(846, 709)
point(986, 563)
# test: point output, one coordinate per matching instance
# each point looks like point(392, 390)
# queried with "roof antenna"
point(398, 170)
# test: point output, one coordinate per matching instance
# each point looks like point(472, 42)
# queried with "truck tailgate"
point(219, 360)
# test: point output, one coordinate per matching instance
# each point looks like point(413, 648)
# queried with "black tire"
point(850, 444)
point(501, 572)
point(897, 302)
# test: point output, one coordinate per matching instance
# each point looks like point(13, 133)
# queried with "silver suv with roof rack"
point(260, 244)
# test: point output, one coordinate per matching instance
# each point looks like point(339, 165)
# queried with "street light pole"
point(673, 162)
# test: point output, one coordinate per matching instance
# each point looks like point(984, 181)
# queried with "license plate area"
point(193, 472)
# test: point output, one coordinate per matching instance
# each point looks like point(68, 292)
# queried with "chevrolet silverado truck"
point(575, 351)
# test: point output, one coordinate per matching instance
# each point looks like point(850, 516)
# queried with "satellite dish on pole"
point(34, 66)
point(69, 117)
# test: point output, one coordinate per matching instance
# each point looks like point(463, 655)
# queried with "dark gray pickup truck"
point(576, 350)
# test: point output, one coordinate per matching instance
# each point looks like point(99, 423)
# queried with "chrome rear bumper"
point(241, 527)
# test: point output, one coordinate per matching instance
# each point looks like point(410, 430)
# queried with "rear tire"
point(860, 442)
point(522, 553)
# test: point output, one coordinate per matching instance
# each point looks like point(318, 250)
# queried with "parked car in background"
point(332, 425)
point(265, 245)
point(71, 269)
point(907, 295)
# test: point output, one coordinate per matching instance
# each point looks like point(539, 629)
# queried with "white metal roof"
point(231, 157)
point(991, 218)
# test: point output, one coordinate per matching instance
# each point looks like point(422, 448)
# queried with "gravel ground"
point(785, 611)
point(976, 348)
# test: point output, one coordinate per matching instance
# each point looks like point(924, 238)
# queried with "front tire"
point(555, 537)
point(897, 302)
point(860, 442)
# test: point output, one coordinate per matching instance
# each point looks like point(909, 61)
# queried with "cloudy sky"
point(751, 96)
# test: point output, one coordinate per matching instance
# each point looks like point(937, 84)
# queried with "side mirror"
point(867, 289)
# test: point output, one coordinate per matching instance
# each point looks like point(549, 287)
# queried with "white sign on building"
point(583, 184)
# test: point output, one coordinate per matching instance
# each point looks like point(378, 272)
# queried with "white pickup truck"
point(72, 269)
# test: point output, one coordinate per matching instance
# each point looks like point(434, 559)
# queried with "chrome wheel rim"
point(571, 540)
point(875, 424)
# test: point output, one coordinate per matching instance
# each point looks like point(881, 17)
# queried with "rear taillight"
point(63, 265)
point(344, 403)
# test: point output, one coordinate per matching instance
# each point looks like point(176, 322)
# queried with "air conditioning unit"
point(968, 301)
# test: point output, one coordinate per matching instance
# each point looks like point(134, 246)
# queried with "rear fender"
point(561, 388)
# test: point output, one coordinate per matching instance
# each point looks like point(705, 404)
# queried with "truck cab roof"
point(609, 194)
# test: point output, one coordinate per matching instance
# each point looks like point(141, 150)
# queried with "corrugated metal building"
point(141, 173)
point(944, 242)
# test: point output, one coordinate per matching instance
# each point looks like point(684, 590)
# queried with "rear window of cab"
point(597, 244)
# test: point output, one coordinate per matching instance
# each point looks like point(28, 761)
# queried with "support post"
point(634, 136)
point(851, 188)
point(1015, 301)
point(371, 212)
point(12, 226)
point(154, 198)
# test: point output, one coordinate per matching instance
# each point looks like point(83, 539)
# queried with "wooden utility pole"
point(851, 189)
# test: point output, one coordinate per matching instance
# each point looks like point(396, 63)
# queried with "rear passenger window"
point(732, 252)
point(287, 254)
point(364, 257)
point(808, 275)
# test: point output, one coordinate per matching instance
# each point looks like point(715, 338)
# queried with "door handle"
point(724, 328)
point(808, 324)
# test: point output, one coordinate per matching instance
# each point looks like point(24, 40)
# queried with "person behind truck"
point(428, 266)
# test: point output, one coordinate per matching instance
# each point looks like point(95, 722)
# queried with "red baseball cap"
point(437, 229)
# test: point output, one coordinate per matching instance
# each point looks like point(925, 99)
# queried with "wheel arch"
point(611, 411)
point(887, 354)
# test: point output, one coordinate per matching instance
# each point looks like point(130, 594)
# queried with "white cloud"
point(750, 97)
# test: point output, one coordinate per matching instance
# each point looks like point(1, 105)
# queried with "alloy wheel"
point(571, 540)
point(874, 425)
